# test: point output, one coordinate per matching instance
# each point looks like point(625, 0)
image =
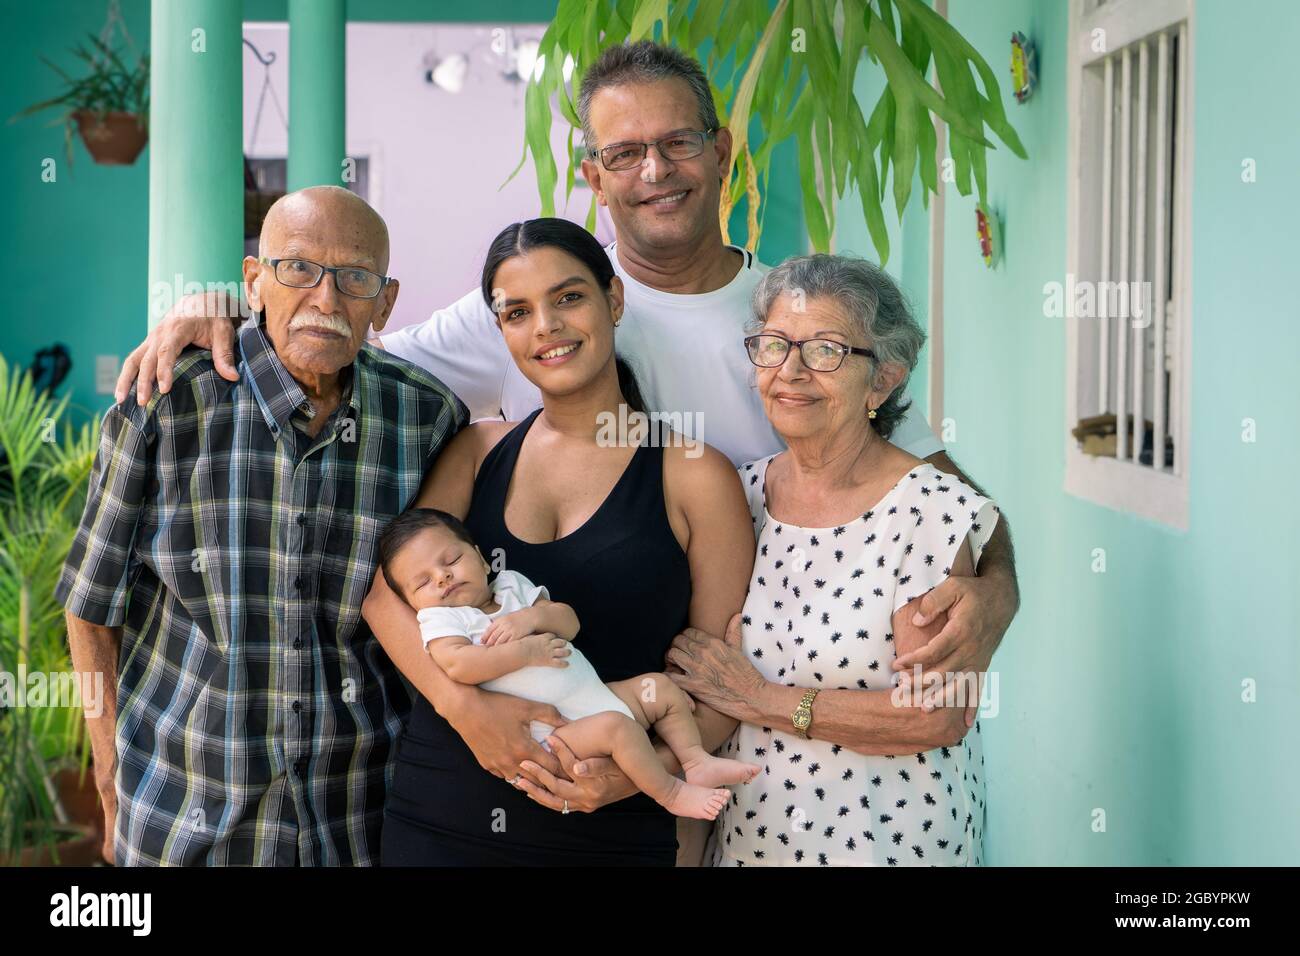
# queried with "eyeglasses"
point(821, 355)
point(305, 274)
point(684, 144)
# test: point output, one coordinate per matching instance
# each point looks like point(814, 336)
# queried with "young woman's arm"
point(720, 548)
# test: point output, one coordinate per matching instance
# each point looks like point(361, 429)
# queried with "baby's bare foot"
point(711, 771)
point(702, 803)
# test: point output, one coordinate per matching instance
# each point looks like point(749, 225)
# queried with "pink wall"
point(436, 158)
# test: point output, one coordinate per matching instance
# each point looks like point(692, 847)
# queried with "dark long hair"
point(520, 238)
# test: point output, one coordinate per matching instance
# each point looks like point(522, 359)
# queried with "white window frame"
point(1158, 494)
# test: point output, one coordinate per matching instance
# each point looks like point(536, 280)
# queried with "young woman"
point(642, 535)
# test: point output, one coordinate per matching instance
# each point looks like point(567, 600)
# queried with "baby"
point(509, 637)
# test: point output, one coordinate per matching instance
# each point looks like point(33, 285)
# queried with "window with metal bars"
point(1127, 291)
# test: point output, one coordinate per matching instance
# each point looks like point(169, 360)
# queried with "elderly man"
point(227, 545)
point(656, 155)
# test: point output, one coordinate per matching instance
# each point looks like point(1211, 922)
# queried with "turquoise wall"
point(909, 235)
point(1235, 574)
point(1122, 691)
point(77, 248)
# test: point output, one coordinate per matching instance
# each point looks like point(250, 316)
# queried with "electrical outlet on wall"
point(107, 368)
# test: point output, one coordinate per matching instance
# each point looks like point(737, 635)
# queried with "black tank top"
point(628, 580)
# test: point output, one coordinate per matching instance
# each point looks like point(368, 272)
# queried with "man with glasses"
point(228, 542)
point(657, 154)
point(676, 147)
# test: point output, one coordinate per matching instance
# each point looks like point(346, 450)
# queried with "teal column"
point(196, 173)
point(317, 115)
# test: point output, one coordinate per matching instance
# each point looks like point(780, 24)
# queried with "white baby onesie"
point(575, 691)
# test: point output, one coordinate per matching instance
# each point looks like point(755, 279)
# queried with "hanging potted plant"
point(109, 105)
point(258, 196)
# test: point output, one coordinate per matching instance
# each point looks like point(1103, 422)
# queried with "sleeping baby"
point(509, 637)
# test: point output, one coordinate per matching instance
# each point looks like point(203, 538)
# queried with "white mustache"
point(335, 323)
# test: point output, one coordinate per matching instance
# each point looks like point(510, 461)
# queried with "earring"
point(871, 413)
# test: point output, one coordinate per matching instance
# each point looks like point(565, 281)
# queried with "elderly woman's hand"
point(979, 610)
point(715, 671)
point(592, 783)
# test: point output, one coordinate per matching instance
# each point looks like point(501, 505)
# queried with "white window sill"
point(1159, 496)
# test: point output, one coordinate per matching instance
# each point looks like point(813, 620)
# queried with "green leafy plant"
point(42, 493)
point(789, 71)
point(110, 86)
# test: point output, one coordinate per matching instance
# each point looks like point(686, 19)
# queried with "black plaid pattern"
point(256, 711)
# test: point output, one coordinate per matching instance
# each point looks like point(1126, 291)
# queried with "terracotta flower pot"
point(113, 139)
point(79, 797)
point(79, 841)
point(77, 845)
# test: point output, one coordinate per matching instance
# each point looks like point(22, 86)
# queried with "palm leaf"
point(42, 485)
point(808, 95)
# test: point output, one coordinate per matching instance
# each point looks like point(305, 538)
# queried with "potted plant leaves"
point(109, 105)
point(43, 743)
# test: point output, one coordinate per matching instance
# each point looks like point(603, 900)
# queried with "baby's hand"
point(509, 627)
point(547, 650)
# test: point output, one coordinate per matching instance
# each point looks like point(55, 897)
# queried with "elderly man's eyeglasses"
point(684, 144)
point(821, 355)
point(305, 274)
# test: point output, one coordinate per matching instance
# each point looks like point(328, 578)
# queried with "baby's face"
point(437, 569)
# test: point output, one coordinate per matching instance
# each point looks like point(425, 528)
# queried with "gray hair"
point(875, 307)
point(643, 62)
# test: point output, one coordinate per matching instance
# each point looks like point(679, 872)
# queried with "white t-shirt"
point(686, 351)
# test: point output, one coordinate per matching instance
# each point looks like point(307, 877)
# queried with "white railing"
point(1142, 93)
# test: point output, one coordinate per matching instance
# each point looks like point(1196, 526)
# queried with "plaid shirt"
point(256, 713)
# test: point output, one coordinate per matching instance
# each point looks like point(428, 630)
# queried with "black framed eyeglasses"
point(683, 144)
point(768, 350)
point(305, 274)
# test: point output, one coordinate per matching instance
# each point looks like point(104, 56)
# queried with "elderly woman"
point(852, 532)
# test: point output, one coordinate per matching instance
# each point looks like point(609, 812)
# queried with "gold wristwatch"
point(802, 716)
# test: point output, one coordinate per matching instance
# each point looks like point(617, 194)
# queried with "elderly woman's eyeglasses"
point(305, 274)
point(684, 144)
point(767, 350)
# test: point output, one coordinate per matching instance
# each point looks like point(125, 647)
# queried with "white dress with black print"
point(819, 614)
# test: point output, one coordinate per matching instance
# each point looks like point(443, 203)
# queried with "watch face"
point(802, 719)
